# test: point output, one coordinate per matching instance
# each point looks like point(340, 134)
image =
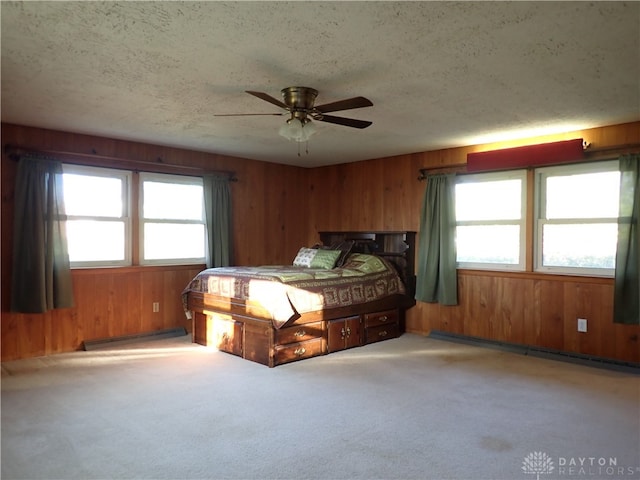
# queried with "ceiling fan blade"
point(267, 98)
point(348, 104)
point(347, 122)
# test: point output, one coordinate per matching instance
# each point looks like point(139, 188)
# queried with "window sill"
point(537, 276)
point(133, 269)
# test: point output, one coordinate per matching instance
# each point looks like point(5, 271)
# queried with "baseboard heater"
point(589, 360)
point(139, 337)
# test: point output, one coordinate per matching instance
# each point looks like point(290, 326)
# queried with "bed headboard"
point(396, 246)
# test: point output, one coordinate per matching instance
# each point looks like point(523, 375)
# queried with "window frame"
point(132, 216)
point(142, 221)
point(519, 174)
point(126, 177)
point(541, 174)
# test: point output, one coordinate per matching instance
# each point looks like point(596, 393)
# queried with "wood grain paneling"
point(535, 310)
point(108, 303)
point(277, 209)
point(270, 208)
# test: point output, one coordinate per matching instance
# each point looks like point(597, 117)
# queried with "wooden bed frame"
point(245, 330)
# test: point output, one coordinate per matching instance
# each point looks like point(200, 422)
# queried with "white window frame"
point(492, 177)
point(171, 179)
point(125, 177)
point(541, 174)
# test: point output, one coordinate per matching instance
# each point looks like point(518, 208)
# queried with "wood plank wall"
point(279, 208)
point(525, 309)
point(269, 205)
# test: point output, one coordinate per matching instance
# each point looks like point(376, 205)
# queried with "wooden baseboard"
point(139, 337)
point(535, 351)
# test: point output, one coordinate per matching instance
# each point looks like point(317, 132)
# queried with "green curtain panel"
point(437, 275)
point(626, 298)
point(217, 202)
point(41, 278)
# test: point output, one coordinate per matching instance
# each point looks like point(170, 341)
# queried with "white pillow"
point(304, 257)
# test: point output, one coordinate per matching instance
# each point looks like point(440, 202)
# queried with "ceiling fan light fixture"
point(296, 130)
point(300, 103)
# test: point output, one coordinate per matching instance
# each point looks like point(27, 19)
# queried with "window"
point(97, 204)
point(574, 214)
point(172, 219)
point(100, 205)
point(577, 218)
point(490, 220)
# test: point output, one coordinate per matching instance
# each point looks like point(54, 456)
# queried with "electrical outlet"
point(156, 307)
point(582, 324)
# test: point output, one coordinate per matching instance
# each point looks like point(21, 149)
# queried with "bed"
point(349, 291)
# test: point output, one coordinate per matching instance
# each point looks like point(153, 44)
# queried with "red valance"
point(527, 156)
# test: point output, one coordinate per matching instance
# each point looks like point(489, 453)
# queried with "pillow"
point(325, 259)
point(304, 257)
point(345, 249)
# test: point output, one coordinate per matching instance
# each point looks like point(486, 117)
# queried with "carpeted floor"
point(409, 408)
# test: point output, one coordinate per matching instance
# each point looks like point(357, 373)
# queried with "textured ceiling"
point(440, 74)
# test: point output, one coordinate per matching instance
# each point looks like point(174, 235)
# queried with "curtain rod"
point(613, 149)
point(93, 159)
point(435, 170)
point(591, 154)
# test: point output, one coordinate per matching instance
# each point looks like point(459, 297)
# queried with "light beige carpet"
point(409, 408)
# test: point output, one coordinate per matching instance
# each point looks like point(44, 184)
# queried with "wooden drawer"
point(298, 351)
point(300, 333)
point(381, 332)
point(381, 318)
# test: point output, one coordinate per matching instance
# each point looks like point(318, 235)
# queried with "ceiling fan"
point(299, 103)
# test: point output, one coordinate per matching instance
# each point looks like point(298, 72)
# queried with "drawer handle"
point(300, 351)
point(383, 318)
point(383, 333)
point(348, 332)
point(300, 333)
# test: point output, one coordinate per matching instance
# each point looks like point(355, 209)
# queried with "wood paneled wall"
point(277, 209)
point(525, 309)
point(269, 206)
point(108, 303)
point(534, 310)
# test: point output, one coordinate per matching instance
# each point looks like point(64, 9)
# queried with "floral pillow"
point(304, 257)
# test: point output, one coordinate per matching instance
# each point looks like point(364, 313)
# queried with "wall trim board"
point(88, 345)
point(541, 352)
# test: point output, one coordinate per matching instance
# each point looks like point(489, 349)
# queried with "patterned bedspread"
point(288, 291)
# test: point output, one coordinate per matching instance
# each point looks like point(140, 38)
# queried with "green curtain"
point(41, 278)
point(436, 273)
point(626, 298)
point(217, 202)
